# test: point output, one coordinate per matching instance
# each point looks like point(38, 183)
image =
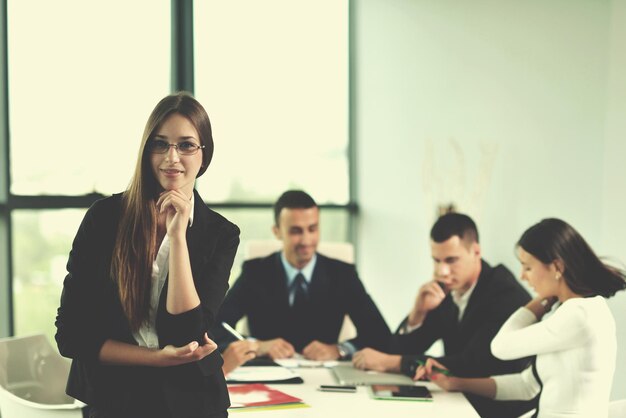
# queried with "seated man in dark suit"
point(464, 304)
point(296, 299)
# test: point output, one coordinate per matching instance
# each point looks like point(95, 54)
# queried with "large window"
point(273, 75)
point(83, 77)
point(40, 249)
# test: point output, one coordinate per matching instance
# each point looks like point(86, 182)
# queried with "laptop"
point(348, 375)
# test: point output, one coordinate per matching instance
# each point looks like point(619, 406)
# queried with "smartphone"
point(342, 388)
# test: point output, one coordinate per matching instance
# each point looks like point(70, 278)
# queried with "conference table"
point(359, 404)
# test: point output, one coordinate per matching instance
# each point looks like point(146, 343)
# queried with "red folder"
point(258, 394)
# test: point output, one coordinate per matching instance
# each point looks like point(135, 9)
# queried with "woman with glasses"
point(147, 273)
point(575, 346)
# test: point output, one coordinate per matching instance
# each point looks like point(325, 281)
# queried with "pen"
point(233, 331)
point(436, 369)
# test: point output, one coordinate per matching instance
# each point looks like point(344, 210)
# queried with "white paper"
point(260, 373)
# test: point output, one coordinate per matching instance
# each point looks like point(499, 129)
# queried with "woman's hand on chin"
point(177, 208)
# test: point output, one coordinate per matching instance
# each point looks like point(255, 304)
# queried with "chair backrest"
point(33, 376)
point(343, 251)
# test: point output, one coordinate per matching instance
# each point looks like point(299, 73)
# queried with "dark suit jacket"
point(90, 313)
point(261, 294)
point(467, 343)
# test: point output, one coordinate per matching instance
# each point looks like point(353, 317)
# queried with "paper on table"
point(260, 373)
point(298, 360)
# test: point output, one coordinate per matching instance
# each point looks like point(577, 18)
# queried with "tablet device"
point(401, 392)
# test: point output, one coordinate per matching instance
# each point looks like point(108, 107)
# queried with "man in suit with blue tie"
point(296, 299)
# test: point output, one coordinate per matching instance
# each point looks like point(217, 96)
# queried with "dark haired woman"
point(575, 346)
point(146, 275)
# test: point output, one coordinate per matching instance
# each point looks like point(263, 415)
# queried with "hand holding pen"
point(238, 352)
point(430, 368)
point(252, 344)
point(276, 348)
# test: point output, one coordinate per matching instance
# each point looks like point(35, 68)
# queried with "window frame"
point(182, 78)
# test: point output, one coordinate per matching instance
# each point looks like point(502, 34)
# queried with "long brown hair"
point(135, 245)
point(585, 273)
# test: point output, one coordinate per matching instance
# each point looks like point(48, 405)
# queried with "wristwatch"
point(343, 353)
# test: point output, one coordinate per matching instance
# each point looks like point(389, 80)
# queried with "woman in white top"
point(575, 345)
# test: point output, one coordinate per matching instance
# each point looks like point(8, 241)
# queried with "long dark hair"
point(586, 275)
point(135, 245)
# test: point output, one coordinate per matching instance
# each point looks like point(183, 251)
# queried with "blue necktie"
point(299, 289)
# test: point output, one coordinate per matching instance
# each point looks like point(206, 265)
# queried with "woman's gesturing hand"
point(174, 356)
point(436, 373)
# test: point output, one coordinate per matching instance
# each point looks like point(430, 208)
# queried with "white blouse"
point(146, 335)
point(575, 348)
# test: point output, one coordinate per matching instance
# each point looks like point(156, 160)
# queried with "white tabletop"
point(359, 404)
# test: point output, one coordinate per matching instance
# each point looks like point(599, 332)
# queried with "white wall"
point(614, 193)
point(500, 106)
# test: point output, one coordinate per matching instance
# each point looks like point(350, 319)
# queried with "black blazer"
point(90, 313)
point(467, 343)
point(261, 294)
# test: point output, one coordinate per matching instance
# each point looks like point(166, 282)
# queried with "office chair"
point(343, 251)
point(33, 376)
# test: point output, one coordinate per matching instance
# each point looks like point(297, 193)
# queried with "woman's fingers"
point(209, 342)
point(175, 198)
point(189, 348)
point(194, 351)
point(419, 373)
point(437, 364)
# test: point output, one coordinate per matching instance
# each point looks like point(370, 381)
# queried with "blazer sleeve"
point(211, 281)
point(80, 329)
point(372, 330)
point(420, 339)
point(411, 346)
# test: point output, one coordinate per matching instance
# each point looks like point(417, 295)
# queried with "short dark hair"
point(454, 224)
point(292, 199)
point(553, 239)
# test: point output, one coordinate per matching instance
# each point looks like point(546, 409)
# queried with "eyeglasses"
point(158, 146)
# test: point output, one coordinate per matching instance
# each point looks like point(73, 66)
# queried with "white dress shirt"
point(575, 347)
